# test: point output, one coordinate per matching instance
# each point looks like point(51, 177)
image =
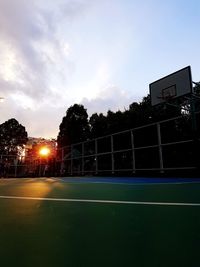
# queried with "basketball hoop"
point(171, 87)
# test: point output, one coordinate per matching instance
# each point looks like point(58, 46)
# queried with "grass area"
point(52, 233)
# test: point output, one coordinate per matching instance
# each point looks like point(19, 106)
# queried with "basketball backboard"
point(172, 86)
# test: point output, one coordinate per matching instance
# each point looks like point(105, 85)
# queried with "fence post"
point(112, 155)
point(62, 154)
point(40, 166)
point(160, 148)
point(196, 142)
point(133, 151)
point(62, 168)
point(15, 163)
point(83, 169)
point(71, 159)
point(96, 157)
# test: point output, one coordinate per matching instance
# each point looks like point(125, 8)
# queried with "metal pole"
point(194, 132)
point(133, 151)
point(83, 151)
point(160, 148)
point(112, 155)
point(193, 117)
point(40, 162)
point(62, 161)
point(96, 157)
point(15, 162)
point(71, 159)
point(62, 154)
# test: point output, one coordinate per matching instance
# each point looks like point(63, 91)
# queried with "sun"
point(44, 151)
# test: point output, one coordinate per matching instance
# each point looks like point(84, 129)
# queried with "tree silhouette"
point(98, 125)
point(74, 127)
point(13, 137)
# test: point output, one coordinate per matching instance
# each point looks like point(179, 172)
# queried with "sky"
point(99, 53)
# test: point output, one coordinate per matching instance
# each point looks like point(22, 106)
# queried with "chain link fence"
point(170, 145)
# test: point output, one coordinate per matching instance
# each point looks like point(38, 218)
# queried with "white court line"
point(103, 201)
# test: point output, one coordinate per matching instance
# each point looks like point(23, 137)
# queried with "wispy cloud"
point(32, 54)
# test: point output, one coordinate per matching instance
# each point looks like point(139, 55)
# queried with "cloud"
point(32, 55)
point(35, 60)
point(74, 8)
point(43, 122)
point(111, 98)
point(55, 55)
point(35, 55)
point(22, 68)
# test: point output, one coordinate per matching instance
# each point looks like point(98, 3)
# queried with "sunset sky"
point(99, 53)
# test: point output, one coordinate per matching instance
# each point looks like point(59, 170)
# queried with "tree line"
point(76, 126)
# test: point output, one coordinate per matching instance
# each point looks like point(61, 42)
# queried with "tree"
point(74, 127)
point(115, 121)
point(98, 125)
point(13, 137)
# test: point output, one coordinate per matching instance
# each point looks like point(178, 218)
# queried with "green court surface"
point(59, 222)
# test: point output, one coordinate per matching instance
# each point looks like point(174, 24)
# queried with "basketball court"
point(99, 222)
point(108, 221)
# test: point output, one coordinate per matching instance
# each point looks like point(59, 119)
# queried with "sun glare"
point(44, 151)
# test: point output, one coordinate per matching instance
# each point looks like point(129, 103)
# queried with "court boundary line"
point(99, 201)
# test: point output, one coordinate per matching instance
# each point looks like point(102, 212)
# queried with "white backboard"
point(172, 86)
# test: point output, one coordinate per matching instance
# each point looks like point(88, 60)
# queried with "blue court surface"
point(130, 180)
